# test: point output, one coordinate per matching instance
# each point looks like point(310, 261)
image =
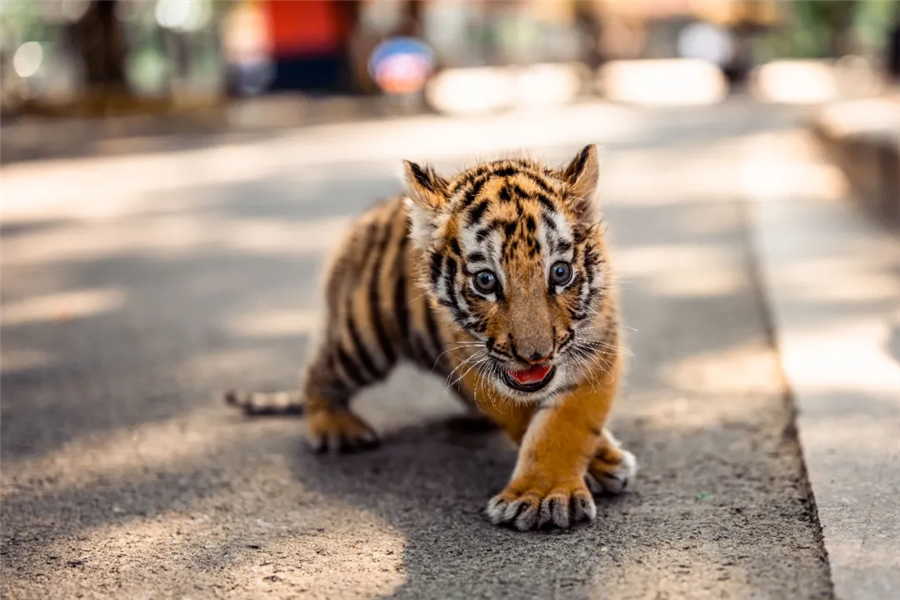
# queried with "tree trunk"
point(99, 39)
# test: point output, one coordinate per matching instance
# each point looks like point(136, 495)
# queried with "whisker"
point(463, 345)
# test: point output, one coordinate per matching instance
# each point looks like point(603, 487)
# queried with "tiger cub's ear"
point(582, 176)
point(425, 187)
point(426, 194)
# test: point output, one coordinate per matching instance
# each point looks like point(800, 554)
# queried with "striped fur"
point(404, 286)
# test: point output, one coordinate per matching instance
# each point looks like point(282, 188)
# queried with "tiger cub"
point(498, 279)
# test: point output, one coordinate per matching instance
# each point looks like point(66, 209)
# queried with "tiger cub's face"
point(516, 258)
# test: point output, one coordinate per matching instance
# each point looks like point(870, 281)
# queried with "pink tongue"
point(531, 374)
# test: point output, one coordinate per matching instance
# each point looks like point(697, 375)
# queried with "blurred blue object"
point(401, 65)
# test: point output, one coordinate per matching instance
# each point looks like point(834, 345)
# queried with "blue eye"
point(485, 281)
point(561, 273)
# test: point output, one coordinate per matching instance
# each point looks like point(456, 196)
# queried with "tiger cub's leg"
point(331, 382)
point(612, 468)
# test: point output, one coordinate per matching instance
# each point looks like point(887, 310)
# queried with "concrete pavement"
point(135, 287)
point(832, 277)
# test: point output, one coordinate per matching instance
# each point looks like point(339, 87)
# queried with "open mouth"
point(531, 379)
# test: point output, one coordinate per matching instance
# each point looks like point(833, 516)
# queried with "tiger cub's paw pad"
point(339, 432)
point(560, 507)
point(612, 476)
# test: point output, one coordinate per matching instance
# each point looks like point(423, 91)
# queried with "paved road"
point(135, 287)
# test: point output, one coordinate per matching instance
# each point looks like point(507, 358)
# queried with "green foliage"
point(817, 26)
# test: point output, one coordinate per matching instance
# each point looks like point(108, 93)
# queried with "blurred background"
point(92, 57)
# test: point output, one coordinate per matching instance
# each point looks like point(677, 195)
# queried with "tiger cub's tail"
point(271, 404)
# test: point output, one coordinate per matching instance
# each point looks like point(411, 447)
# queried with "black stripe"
point(418, 353)
point(538, 181)
point(578, 235)
point(547, 221)
point(326, 380)
point(591, 294)
point(434, 336)
point(468, 178)
point(546, 202)
point(520, 193)
point(454, 247)
point(359, 348)
point(477, 185)
point(436, 267)
point(477, 212)
point(450, 280)
point(351, 368)
point(423, 177)
point(374, 296)
point(482, 233)
point(567, 339)
point(476, 257)
point(505, 172)
point(401, 310)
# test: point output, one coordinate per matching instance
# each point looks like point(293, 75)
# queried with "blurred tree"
point(833, 18)
point(99, 39)
point(590, 24)
point(98, 36)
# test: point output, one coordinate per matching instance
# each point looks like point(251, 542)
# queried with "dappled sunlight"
point(286, 322)
point(67, 243)
point(256, 528)
point(119, 453)
point(20, 359)
point(259, 556)
point(63, 306)
point(646, 178)
point(681, 270)
point(55, 189)
point(784, 166)
point(690, 565)
point(721, 283)
point(670, 260)
point(776, 179)
point(839, 279)
point(316, 237)
point(683, 409)
point(845, 353)
point(173, 236)
point(739, 370)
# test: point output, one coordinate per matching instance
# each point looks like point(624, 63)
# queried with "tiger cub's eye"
point(485, 281)
point(560, 273)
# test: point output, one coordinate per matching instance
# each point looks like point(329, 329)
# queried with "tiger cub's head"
point(516, 259)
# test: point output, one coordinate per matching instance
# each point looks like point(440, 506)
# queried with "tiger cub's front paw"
point(527, 505)
point(339, 431)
